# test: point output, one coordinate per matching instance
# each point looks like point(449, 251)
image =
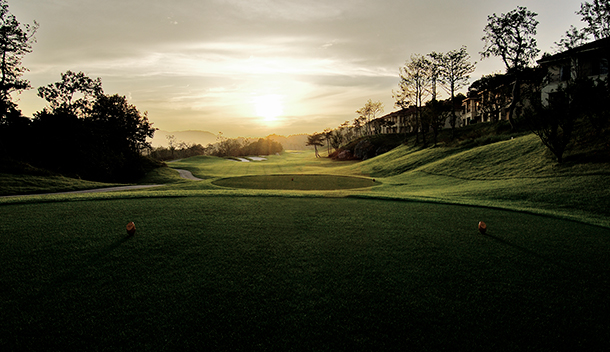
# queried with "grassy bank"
point(11, 184)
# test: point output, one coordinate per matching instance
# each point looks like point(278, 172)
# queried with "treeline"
point(83, 132)
point(576, 114)
point(96, 137)
point(226, 147)
point(237, 147)
point(420, 111)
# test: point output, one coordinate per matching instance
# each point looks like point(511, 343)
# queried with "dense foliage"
point(226, 147)
point(235, 147)
point(82, 133)
point(575, 116)
point(104, 145)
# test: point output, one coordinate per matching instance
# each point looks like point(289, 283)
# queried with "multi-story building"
point(586, 61)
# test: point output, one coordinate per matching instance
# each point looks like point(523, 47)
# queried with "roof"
point(597, 45)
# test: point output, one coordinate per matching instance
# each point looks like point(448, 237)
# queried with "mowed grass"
point(290, 162)
point(11, 184)
point(516, 174)
point(296, 182)
point(396, 265)
point(297, 273)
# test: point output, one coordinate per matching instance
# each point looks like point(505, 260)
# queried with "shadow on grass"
point(82, 267)
point(544, 258)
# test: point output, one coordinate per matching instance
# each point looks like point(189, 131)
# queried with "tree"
point(74, 94)
point(171, 141)
point(597, 17)
point(358, 124)
point(336, 139)
point(414, 86)
point(15, 42)
point(436, 115)
point(315, 140)
point(572, 39)
point(553, 121)
point(346, 131)
point(127, 128)
point(369, 112)
point(511, 37)
point(327, 136)
point(435, 62)
point(455, 70)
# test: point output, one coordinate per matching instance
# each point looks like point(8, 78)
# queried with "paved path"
point(188, 175)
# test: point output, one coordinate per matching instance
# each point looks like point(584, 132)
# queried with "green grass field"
point(247, 260)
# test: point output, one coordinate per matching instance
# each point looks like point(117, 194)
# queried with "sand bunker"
point(248, 159)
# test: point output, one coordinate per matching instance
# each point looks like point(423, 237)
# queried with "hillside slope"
point(516, 174)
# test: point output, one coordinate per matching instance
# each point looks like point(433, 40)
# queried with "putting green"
point(296, 182)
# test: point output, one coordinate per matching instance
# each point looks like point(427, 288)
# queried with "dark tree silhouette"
point(455, 70)
point(510, 36)
point(15, 41)
point(74, 94)
point(315, 140)
point(596, 15)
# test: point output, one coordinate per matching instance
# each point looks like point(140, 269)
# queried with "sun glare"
point(269, 106)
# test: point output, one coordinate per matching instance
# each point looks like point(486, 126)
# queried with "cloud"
point(289, 10)
point(196, 64)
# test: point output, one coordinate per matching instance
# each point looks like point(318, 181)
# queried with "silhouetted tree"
point(128, 129)
point(369, 112)
point(436, 113)
point(74, 94)
point(414, 86)
point(15, 41)
point(336, 139)
point(596, 15)
point(455, 70)
point(103, 145)
point(358, 124)
point(315, 140)
point(571, 39)
point(511, 37)
point(553, 122)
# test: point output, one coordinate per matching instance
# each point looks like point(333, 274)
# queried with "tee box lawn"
point(215, 266)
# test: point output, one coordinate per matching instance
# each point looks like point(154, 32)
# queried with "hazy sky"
point(256, 67)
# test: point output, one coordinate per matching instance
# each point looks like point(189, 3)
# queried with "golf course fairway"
point(397, 265)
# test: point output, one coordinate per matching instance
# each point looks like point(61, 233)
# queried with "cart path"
point(188, 175)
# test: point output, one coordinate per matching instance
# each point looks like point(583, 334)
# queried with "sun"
point(269, 106)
